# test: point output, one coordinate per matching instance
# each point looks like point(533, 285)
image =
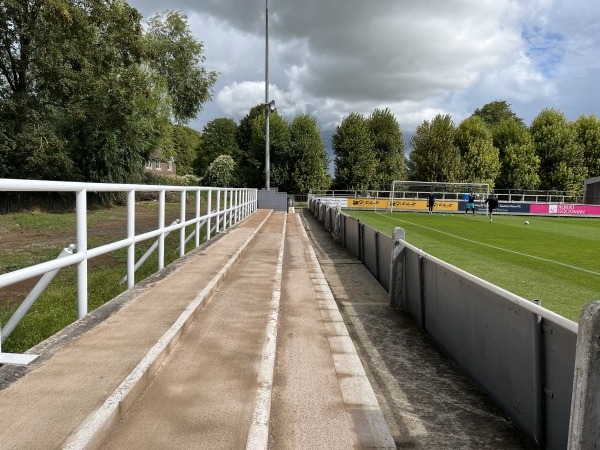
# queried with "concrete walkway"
point(238, 345)
point(427, 400)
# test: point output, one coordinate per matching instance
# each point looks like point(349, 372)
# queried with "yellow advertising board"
point(400, 204)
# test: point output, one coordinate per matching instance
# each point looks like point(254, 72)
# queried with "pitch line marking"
point(569, 266)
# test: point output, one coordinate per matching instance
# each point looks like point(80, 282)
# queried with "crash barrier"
point(215, 210)
point(522, 354)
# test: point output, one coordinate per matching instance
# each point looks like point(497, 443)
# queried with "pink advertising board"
point(565, 209)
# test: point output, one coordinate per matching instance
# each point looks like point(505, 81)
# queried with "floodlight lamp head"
point(271, 106)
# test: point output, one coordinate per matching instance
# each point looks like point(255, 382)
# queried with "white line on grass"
point(494, 247)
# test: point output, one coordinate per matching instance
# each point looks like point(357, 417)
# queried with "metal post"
point(218, 223)
point(82, 275)
point(198, 192)
point(267, 157)
point(182, 201)
point(208, 211)
point(131, 235)
point(161, 226)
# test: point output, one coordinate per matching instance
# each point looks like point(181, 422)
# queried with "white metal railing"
point(223, 208)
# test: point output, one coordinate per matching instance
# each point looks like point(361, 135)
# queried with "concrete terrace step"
point(187, 359)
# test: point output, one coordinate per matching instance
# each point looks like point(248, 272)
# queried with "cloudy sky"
point(419, 58)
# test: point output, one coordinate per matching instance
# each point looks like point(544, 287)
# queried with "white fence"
point(223, 207)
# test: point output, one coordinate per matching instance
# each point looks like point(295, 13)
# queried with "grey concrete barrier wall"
point(522, 354)
point(384, 259)
point(352, 233)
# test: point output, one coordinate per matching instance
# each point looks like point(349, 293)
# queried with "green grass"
point(57, 306)
point(553, 259)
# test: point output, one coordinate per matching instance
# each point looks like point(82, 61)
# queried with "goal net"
point(419, 190)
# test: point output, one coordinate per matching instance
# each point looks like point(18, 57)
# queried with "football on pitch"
point(527, 222)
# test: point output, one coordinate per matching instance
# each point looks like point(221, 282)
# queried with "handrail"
point(231, 206)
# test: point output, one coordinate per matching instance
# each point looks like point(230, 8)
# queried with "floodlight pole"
point(267, 107)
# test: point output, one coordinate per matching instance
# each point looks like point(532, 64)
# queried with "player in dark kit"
point(471, 203)
point(430, 202)
point(492, 203)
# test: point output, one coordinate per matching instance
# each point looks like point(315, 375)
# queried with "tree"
point(355, 163)
point(495, 112)
point(478, 154)
point(73, 91)
point(251, 159)
point(435, 156)
point(83, 94)
point(388, 144)
point(519, 164)
point(561, 156)
point(186, 142)
point(177, 56)
point(219, 137)
point(309, 164)
point(587, 134)
point(221, 172)
point(279, 152)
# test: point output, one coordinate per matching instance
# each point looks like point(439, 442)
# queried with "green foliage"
point(219, 137)
point(561, 156)
point(478, 154)
point(177, 56)
point(84, 95)
point(281, 160)
point(519, 163)
point(388, 144)
point(435, 157)
point(251, 158)
point(186, 142)
point(221, 172)
point(587, 134)
point(309, 156)
point(355, 159)
point(495, 112)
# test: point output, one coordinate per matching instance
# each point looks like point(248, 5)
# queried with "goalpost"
point(402, 189)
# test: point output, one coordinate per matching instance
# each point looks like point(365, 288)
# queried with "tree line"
point(87, 93)
point(495, 146)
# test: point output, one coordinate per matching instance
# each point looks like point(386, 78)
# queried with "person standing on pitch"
point(430, 201)
point(492, 202)
point(471, 203)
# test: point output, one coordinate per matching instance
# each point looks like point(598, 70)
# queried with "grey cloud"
point(419, 57)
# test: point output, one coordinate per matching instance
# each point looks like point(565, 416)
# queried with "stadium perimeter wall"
point(450, 206)
point(523, 355)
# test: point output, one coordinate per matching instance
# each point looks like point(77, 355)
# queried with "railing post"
point(231, 206)
point(225, 210)
point(218, 224)
point(208, 211)
point(198, 194)
point(82, 275)
point(161, 226)
point(131, 235)
point(182, 200)
point(584, 427)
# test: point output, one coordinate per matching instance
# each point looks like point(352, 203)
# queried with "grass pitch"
point(552, 259)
